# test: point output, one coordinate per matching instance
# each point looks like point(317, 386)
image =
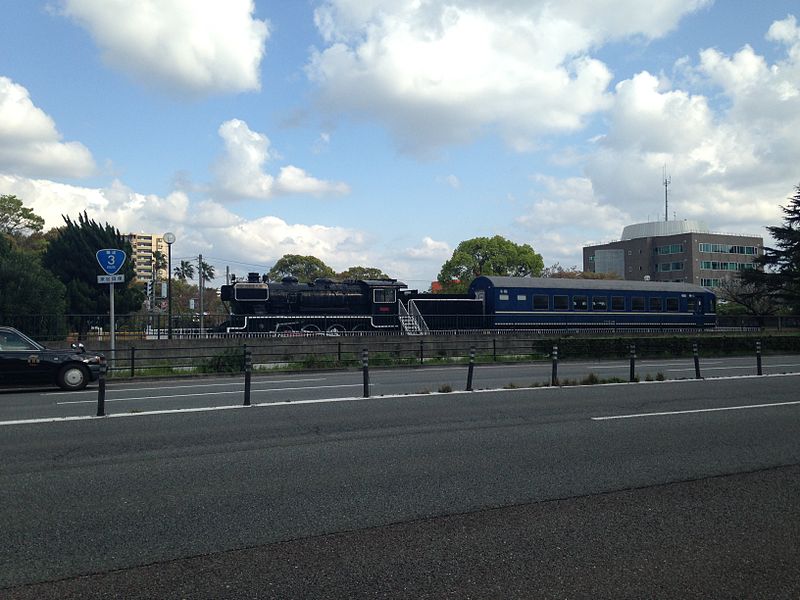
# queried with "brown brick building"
point(674, 251)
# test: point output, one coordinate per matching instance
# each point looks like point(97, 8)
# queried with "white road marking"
point(693, 411)
point(252, 390)
point(180, 386)
point(181, 410)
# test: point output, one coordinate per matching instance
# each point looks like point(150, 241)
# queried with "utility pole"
point(200, 272)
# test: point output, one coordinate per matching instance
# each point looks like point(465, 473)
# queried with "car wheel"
point(73, 377)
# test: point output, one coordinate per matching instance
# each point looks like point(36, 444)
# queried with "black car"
point(25, 362)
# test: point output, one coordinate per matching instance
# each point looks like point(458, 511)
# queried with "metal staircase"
point(411, 320)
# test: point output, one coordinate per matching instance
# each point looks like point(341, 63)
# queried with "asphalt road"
point(140, 395)
point(666, 489)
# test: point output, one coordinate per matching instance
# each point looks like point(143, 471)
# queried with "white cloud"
point(732, 163)
point(240, 171)
point(450, 180)
point(186, 46)
point(565, 216)
point(429, 249)
point(224, 238)
point(30, 144)
point(441, 72)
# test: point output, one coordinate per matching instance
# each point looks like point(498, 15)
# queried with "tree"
point(488, 256)
point(17, 220)
point(159, 263)
point(752, 298)
point(362, 273)
point(305, 268)
point(71, 257)
point(559, 272)
point(184, 271)
point(780, 276)
point(32, 299)
point(206, 271)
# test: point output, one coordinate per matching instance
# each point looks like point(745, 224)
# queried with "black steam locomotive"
point(257, 304)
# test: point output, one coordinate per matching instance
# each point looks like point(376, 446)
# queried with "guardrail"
point(327, 352)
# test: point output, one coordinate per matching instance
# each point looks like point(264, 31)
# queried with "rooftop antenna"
point(667, 181)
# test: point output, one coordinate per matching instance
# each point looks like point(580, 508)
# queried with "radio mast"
point(667, 181)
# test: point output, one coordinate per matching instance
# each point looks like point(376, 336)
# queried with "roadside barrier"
point(471, 368)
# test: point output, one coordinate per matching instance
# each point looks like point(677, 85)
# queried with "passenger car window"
point(11, 341)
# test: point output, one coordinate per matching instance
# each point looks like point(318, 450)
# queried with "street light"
point(169, 237)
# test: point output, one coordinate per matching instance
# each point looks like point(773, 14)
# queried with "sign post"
point(111, 261)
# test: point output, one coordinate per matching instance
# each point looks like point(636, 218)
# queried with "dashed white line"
point(692, 411)
point(170, 396)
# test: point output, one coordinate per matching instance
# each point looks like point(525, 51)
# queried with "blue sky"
point(384, 132)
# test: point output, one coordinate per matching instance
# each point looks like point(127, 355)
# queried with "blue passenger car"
point(527, 302)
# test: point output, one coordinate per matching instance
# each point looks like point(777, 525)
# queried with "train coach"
point(526, 302)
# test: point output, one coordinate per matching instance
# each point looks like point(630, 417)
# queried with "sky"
point(382, 133)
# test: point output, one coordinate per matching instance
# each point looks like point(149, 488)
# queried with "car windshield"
point(10, 340)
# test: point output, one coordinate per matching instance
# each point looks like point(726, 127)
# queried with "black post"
point(494, 349)
point(365, 367)
point(133, 362)
point(421, 351)
point(101, 392)
point(758, 357)
point(471, 368)
point(633, 363)
point(339, 352)
point(696, 361)
point(554, 376)
point(248, 368)
point(169, 290)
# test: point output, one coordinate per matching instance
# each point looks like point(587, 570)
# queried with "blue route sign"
point(111, 260)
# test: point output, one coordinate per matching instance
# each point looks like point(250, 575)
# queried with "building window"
point(671, 249)
point(715, 265)
point(729, 249)
point(710, 282)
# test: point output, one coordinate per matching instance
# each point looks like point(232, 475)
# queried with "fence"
point(326, 352)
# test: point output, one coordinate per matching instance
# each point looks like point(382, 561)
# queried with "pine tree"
point(71, 257)
point(780, 276)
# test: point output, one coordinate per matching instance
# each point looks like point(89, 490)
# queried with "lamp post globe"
point(169, 238)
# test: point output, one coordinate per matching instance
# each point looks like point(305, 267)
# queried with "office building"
point(674, 251)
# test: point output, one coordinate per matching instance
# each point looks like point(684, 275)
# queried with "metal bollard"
point(633, 363)
point(554, 375)
point(758, 357)
point(133, 362)
point(471, 368)
point(248, 369)
point(365, 367)
point(696, 361)
point(101, 392)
